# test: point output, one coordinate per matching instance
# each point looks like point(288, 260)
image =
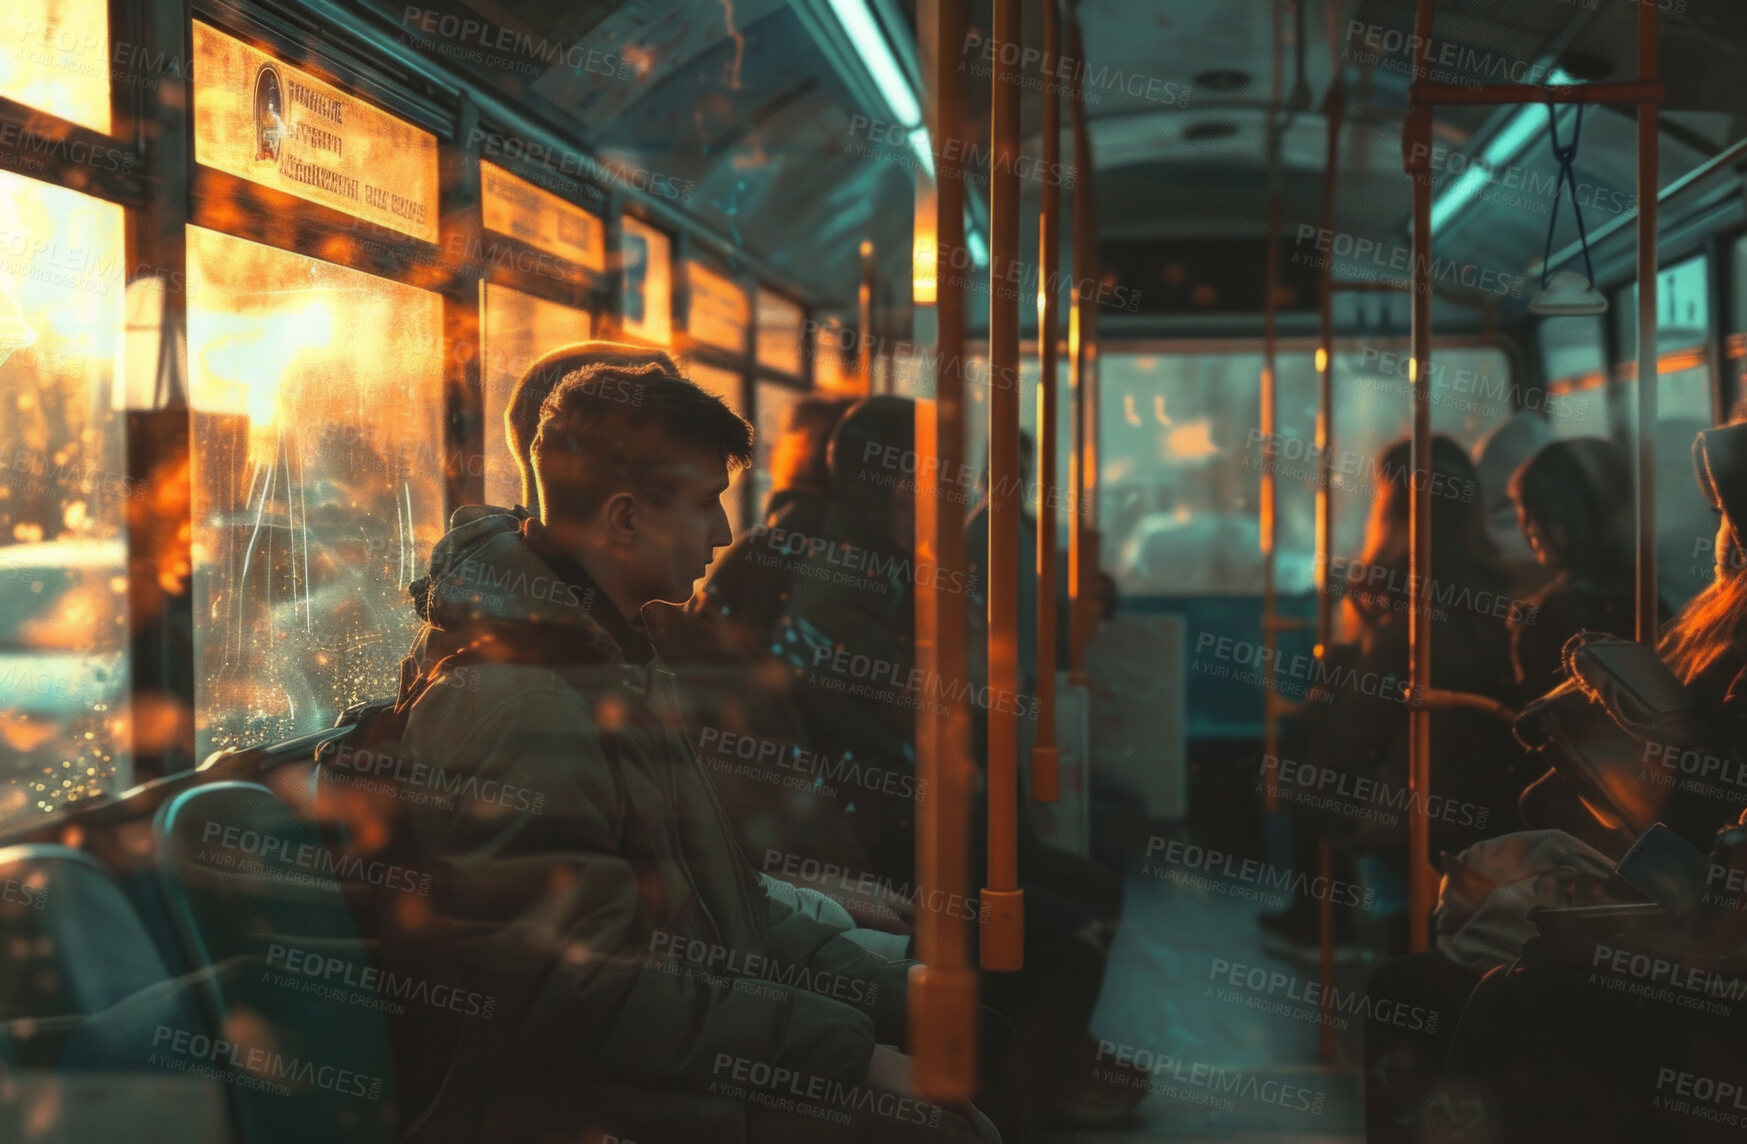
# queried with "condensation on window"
point(518, 329)
point(54, 56)
point(64, 495)
point(318, 466)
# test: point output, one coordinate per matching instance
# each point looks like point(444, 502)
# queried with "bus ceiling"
point(759, 118)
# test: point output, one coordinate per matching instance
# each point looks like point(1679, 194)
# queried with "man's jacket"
point(587, 881)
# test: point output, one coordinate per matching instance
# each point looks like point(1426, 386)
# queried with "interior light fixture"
point(1525, 126)
point(882, 66)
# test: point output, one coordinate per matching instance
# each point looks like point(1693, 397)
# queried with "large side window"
point(648, 281)
point(64, 498)
point(1183, 452)
point(54, 56)
point(1684, 524)
point(1574, 360)
point(318, 483)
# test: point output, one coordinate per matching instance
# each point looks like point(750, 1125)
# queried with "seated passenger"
point(848, 628)
point(1356, 722)
point(644, 984)
point(1567, 1012)
point(1496, 459)
point(1574, 500)
point(749, 587)
point(848, 635)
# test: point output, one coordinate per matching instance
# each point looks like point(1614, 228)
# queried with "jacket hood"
point(487, 582)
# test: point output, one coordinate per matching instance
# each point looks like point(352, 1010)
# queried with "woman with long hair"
point(1706, 644)
point(1355, 720)
point(1573, 501)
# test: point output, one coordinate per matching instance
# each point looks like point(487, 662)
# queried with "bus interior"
point(1270, 427)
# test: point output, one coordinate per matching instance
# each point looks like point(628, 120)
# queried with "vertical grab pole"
point(1268, 501)
point(864, 296)
point(1422, 884)
point(1003, 933)
point(1649, 71)
point(943, 989)
point(1325, 364)
point(1045, 755)
point(1081, 477)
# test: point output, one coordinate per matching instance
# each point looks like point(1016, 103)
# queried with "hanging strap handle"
point(1567, 157)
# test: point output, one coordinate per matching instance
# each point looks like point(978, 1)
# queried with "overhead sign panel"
point(273, 124)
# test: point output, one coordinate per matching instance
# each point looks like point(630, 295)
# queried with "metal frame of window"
point(147, 167)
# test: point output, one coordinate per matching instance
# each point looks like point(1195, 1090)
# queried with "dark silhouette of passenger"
point(749, 587)
point(1574, 501)
point(846, 631)
point(644, 984)
point(1355, 721)
point(1549, 1049)
point(847, 635)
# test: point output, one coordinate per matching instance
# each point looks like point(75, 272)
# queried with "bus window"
point(831, 371)
point(1183, 455)
point(518, 328)
point(780, 322)
point(314, 506)
point(54, 56)
point(1684, 523)
point(1574, 362)
point(63, 502)
point(719, 314)
point(774, 402)
point(648, 293)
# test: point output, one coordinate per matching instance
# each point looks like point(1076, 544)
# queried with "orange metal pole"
point(1649, 69)
point(1081, 475)
point(1045, 755)
point(1647, 92)
point(864, 356)
point(1003, 934)
point(1268, 501)
point(1422, 885)
point(1325, 364)
point(943, 989)
point(1267, 509)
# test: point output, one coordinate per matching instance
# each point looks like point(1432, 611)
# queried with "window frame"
point(161, 190)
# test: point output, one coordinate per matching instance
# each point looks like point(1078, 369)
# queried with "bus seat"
point(249, 884)
point(83, 985)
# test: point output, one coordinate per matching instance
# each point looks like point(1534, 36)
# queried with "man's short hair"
point(612, 426)
point(521, 418)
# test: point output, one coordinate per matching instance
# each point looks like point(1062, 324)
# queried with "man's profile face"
point(676, 542)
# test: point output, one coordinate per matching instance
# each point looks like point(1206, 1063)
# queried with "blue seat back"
point(82, 983)
point(252, 893)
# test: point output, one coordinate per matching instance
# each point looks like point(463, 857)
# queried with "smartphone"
point(1665, 868)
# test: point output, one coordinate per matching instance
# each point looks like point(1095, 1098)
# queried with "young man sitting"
point(643, 984)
